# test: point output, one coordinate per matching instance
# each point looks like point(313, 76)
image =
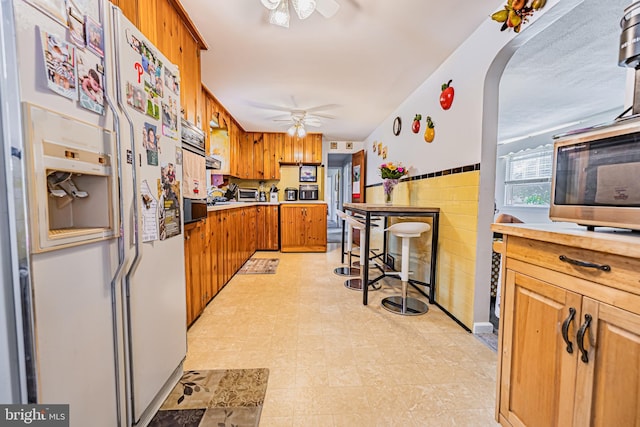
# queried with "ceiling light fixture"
point(297, 129)
point(270, 4)
point(279, 14)
point(304, 8)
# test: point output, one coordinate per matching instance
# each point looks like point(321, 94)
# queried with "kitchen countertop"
point(609, 240)
point(233, 205)
point(303, 202)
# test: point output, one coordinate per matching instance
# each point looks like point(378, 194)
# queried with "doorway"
point(337, 192)
point(587, 88)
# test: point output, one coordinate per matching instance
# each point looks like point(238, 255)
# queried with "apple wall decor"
point(446, 96)
point(415, 126)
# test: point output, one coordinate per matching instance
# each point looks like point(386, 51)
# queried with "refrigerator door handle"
point(130, 389)
point(117, 276)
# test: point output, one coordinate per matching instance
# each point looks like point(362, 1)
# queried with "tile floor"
point(335, 362)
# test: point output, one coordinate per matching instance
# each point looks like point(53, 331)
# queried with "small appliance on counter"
point(247, 194)
point(273, 194)
point(291, 194)
point(262, 194)
point(308, 192)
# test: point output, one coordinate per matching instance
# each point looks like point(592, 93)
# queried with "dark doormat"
point(490, 340)
point(260, 266)
point(218, 398)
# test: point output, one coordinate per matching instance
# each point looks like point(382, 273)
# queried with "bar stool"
point(346, 271)
point(402, 304)
point(356, 284)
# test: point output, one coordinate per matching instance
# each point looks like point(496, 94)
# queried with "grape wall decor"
point(517, 12)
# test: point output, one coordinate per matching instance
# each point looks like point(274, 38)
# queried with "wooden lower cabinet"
point(303, 227)
point(570, 337)
point(267, 228)
point(194, 254)
point(215, 250)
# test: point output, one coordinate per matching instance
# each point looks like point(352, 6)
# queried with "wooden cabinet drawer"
point(624, 273)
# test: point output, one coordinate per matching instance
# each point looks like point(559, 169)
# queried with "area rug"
point(490, 340)
point(260, 266)
point(215, 398)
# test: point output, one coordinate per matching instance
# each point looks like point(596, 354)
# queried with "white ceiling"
point(567, 73)
point(363, 62)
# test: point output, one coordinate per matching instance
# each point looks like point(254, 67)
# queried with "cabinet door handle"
point(602, 267)
point(565, 329)
point(580, 338)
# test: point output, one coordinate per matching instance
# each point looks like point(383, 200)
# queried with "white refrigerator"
point(94, 268)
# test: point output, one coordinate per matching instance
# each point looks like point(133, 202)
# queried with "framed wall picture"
point(308, 173)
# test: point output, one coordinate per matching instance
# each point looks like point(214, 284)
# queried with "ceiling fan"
point(299, 120)
point(279, 9)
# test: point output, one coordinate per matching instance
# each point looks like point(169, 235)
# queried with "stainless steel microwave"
point(596, 176)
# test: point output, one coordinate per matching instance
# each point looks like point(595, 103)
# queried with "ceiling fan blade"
point(279, 117)
point(321, 115)
point(313, 124)
point(322, 107)
point(327, 8)
point(264, 106)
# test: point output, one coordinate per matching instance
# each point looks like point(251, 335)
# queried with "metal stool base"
point(356, 285)
point(414, 307)
point(347, 271)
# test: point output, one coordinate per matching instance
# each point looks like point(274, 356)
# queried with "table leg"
point(343, 227)
point(365, 273)
point(434, 258)
point(384, 240)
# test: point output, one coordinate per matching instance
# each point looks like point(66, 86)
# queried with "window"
point(528, 177)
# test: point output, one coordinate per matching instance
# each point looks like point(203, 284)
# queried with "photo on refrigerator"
point(59, 62)
point(90, 79)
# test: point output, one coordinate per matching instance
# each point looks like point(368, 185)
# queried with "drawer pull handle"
point(602, 267)
point(565, 329)
point(580, 338)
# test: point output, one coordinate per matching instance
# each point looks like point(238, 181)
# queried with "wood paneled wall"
point(169, 28)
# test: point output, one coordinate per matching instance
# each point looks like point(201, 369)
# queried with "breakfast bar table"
point(369, 210)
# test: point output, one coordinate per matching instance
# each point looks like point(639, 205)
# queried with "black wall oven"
point(193, 141)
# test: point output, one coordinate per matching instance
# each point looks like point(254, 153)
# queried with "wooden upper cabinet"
point(147, 19)
point(129, 9)
point(256, 139)
point(288, 150)
point(245, 160)
point(302, 150)
point(312, 150)
point(272, 155)
point(166, 24)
